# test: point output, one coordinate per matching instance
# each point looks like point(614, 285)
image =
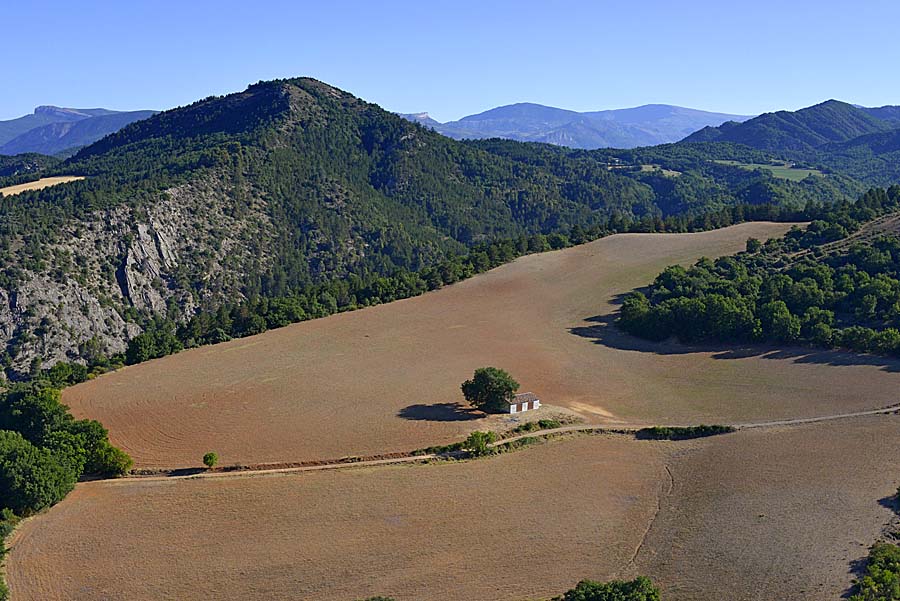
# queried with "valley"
point(597, 506)
point(287, 394)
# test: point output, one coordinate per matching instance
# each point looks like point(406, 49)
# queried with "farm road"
point(262, 470)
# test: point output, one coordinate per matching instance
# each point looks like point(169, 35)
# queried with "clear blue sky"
point(454, 58)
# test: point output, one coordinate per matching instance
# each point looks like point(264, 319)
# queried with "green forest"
point(786, 291)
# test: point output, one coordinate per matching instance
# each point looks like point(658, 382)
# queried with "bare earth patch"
point(44, 182)
point(523, 525)
point(387, 378)
point(774, 514)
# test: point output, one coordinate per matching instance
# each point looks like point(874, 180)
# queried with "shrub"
point(881, 582)
point(210, 460)
point(639, 589)
point(541, 424)
point(477, 444)
point(681, 433)
point(111, 461)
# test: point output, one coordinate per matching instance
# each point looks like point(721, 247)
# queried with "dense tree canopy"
point(639, 589)
point(490, 389)
point(786, 291)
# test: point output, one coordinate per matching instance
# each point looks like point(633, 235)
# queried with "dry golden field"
point(768, 513)
point(522, 525)
point(757, 515)
point(387, 378)
point(44, 182)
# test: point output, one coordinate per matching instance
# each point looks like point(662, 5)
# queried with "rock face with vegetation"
point(99, 275)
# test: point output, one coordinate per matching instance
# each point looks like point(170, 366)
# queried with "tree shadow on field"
point(440, 412)
point(890, 502)
point(187, 471)
point(890, 534)
point(603, 330)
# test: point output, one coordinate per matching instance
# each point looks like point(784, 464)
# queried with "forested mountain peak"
point(805, 129)
point(262, 194)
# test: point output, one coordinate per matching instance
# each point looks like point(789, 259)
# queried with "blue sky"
point(454, 58)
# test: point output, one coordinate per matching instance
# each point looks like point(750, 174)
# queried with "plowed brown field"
point(775, 514)
point(752, 516)
point(516, 526)
point(379, 379)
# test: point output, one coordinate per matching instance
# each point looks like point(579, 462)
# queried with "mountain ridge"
point(644, 125)
point(831, 121)
point(53, 130)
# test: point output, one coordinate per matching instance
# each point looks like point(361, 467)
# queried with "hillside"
point(250, 210)
point(261, 193)
point(620, 128)
point(54, 130)
point(23, 165)
point(873, 158)
point(803, 130)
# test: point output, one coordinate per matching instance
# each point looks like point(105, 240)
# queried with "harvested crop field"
point(775, 514)
point(44, 182)
point(757, 515)
point(523, 525)
point(387, 378)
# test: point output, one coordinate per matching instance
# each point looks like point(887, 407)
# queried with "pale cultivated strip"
point(44, 182)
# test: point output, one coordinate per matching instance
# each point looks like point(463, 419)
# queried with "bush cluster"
point(639, 589)
point(881, 581)
point(682, 432)
point(541, 424)
point(848, 299)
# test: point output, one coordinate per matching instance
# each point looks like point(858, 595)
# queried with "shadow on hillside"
point(440, 412)
point(603, 331)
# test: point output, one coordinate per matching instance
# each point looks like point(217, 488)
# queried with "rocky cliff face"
point(106, 270)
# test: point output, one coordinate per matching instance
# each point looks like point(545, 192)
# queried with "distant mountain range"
point(646, 125)
point(829, 122)
point(54, 130)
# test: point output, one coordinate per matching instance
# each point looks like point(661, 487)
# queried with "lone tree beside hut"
point(490, 390)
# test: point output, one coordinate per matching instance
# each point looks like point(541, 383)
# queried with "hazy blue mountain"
point(809, 128)
point(53, 129)
point(58, 137)
point(43, 115)
point(619, 128)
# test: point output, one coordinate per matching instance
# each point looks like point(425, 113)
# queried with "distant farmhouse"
point(524, 402)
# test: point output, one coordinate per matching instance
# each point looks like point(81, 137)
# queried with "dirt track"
point(565, 510)
point(762, 514)
point(387, 378)
point(259, 470)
